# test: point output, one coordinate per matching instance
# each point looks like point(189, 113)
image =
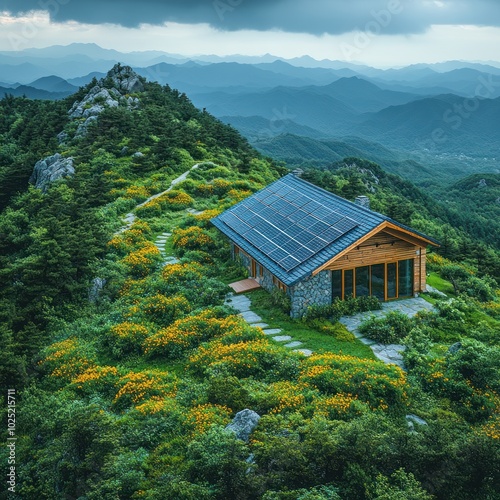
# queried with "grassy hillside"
point(125, 385)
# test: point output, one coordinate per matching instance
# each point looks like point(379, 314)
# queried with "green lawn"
point(440, 284)
point(312, 339)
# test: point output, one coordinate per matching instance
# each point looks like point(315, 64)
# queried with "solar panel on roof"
point(268, 247)
point(312, 206)
point(333, 218)
point(301, 201)
point(289, 263)
point(303, 254)
point(287, 225)
point(266, 212)
point(331, 234)
point(293, 195)
point(304, 237)
point(293, 231)
point(293, 246)
point(345, 225)
point(316, 244)
point(322, 213)
point(278, 255)
point(307, 222)
point(319, 227)
point(297, 216)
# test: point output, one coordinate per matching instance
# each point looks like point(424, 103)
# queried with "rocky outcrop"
point(95, 289)
point(244, 424)
point(50, 170)
point(110, 92)
point(126, 79)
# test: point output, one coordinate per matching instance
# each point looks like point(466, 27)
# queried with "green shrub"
point(280, 299)
point(341, 308)
point(390, 329)
point(337, 330)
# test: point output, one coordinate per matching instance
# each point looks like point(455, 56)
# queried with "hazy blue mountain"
point(303, 151)
point(364, 96)
point(318, 111)
point(54, 84)
point(191, 75)
point(256, 128)
point(319, 76)
point(32, 93)
point(84, 80)
point(438, 124)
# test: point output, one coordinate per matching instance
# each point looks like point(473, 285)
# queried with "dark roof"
point(293, 227)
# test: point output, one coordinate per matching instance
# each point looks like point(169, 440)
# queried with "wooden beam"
point(387, 227)
point(407, 235)
point(348, 249)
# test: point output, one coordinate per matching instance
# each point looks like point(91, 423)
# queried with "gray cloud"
point(299, 16)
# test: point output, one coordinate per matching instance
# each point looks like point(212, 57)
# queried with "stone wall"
point(243, 257)
point(315, 290)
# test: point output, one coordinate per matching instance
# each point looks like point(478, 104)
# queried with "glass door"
point(392, 281)
point(378, 281)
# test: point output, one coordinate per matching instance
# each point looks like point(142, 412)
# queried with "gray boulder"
point(62, 137)
point(82, 129)
point(50, 170)
point(412, 420)
point(244, 424)
point(455, 348)
point(95, 289)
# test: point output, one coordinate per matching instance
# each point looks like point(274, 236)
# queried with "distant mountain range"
point(302, 109)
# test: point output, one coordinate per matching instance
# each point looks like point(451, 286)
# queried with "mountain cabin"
point(317, 246)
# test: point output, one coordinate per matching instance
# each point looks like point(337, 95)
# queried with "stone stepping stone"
point(240, 303)
point(282, 338)
point(251, 317)
point(305, 352)
point(366, 341)
point(272, 331)
point(291, 345)
point(260, 325)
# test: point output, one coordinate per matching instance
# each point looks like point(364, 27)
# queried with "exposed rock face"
point(412, 420)
point(244, 424)
point(101, 97)
point(96, 289)
point(126, 79)
point(95, 102)
point(483, 183)
point(455, 348)
point(51, 169)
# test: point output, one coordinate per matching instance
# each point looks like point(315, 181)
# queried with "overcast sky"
point(377, 32)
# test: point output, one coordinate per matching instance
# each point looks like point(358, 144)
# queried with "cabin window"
point(337, 284)
point(363, 281)
point(348, 283)
point(384, 281)
point(405, 280)
point(392, 284)
point(378, 281)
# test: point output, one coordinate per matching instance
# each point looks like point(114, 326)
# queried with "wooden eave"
point(389, 228)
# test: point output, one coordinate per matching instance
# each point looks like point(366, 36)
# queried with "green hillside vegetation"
point(125, 392)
